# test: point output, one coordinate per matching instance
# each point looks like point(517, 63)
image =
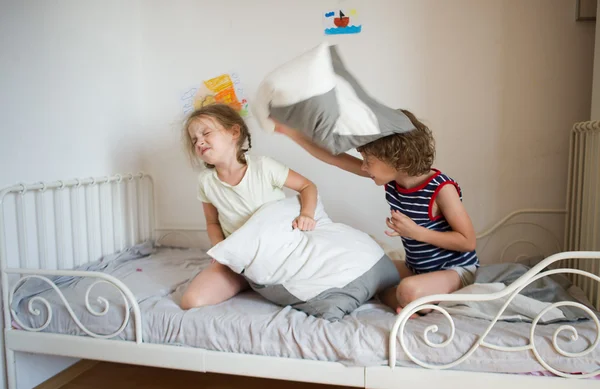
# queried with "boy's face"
point(380, 172)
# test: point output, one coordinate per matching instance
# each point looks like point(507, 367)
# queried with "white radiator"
point(582, 225)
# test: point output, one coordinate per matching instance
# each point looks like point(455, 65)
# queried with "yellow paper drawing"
point(225, 89)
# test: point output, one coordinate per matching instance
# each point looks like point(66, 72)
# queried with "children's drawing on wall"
point(342, 21)
point(225, 89)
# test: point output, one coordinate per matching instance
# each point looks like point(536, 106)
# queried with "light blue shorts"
point(466, 274)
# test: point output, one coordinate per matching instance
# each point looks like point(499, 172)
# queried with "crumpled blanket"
point(525, 306)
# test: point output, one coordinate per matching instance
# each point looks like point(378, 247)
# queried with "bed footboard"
point(535, 273)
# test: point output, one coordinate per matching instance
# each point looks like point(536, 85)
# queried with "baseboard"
point(67, 375)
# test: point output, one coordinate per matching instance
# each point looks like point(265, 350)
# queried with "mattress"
point(248, 324)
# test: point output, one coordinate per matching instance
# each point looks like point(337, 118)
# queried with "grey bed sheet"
point(251, 325)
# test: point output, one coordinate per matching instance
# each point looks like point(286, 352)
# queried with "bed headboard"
point(62, 224)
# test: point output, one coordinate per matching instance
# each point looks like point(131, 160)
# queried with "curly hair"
point(227, 117)
point(412, 152)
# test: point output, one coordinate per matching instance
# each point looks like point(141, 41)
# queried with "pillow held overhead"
point(315, 94)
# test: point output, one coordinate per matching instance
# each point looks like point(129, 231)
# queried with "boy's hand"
point(304, 223)
point(402, 225)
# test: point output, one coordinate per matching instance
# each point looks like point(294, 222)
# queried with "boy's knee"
point(407, 291)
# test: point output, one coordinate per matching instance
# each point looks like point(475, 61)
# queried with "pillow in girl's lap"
point(327, 272)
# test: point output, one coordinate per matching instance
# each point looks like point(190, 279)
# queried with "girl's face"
point(213, 143)
point(380, 172)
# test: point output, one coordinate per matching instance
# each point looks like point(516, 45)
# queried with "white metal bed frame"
point(97, 216)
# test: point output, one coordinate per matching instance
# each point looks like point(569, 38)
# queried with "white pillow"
point(269, 252)
point(315, 94)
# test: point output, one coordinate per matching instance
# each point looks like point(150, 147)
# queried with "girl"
point(231, 189)
point(426, 210)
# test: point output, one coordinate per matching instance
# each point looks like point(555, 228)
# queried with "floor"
point(116, 376)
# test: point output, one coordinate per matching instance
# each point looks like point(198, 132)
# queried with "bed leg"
point(11, 369)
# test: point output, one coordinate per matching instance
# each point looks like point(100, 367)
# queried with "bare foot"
point(413, 316)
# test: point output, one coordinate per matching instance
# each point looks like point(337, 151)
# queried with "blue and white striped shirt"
point(417, 204)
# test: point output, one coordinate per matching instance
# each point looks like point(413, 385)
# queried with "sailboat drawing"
point(341, 23)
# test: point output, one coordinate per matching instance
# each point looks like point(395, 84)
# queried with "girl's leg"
point(438, 282)
point(215, 284)
point(388, 296)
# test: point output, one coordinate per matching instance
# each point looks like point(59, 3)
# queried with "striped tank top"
point(417, 203)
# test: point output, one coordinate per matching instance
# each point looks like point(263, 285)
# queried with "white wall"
point(68, 84)
point(596, 91)
point(499, 82)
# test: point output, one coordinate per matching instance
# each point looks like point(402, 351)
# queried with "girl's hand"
point(304, 223)
point(402, 225)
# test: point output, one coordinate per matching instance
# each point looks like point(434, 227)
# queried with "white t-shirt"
point(263, 182)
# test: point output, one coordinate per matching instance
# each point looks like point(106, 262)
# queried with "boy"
point(426, 210)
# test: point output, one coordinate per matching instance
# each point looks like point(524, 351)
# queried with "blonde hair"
point(412, 152)
point(228, 118)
